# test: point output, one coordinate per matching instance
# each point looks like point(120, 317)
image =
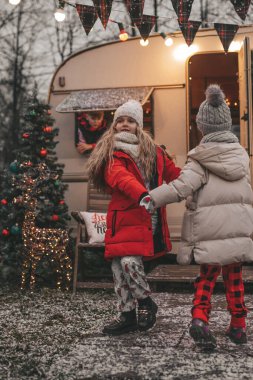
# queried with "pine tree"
point(36, 145)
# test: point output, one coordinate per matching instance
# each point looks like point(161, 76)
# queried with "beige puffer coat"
point(218, 222)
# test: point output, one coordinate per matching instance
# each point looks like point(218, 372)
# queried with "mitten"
point(147, 203)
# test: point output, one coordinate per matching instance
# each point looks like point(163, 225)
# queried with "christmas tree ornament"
point(57, 183)
point(55, 217)
point(5, 232)
point(61, 202)
point(14, 167)
point(15, 230)
point(14, 183)
point(4, 202)
point(47, 129)
point(43, 152)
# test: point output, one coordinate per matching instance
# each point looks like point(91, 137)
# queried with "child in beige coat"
point(217, 227)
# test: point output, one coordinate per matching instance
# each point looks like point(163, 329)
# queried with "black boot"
point(146, 314)
point(127, 322)
point(202, 336)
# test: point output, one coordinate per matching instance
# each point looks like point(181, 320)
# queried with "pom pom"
point(214, 95)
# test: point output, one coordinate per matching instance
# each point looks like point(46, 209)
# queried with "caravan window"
point(90, 126)
point(207, 68)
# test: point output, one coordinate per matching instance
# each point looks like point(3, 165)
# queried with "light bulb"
point(183, 52)
point(168, 41)
point(144, 42)
point(123, 36)
point(14, 2)
point(235, 46)
point(59, 15)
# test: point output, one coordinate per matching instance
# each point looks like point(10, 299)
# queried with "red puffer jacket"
point(129, 228)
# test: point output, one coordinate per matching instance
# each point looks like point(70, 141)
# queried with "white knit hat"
point(214, 114)
point(131, 108)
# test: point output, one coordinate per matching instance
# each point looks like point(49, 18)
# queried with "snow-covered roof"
point(102, 99)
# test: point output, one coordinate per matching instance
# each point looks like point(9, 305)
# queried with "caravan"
point(168, 81)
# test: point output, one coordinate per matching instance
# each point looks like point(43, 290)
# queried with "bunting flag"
point(189, 30)
point(103, 9)
point(241, 7)
point(88, 16)
point(135, 10)
point(183, 9)
point(146, 25)
point(226, 32)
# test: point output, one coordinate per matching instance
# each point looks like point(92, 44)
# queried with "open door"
point(245, 95)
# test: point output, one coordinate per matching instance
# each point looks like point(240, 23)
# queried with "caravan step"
point(188, 273)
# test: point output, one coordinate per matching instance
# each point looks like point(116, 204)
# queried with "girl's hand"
point(148, 204)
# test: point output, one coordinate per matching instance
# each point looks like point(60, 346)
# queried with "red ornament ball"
point(61, 202)
point(4, 202)
point(47, 129)
point(5, 232)
point(43, 153)
point(25, 135)
point(55, 217)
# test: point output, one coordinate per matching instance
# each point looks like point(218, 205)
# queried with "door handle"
point(245, 117)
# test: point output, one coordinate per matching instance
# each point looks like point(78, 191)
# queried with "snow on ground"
point(50, 335)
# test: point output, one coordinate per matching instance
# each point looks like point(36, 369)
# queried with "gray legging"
point(130, 283)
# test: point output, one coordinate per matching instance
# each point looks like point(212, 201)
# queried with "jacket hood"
point(229, 161)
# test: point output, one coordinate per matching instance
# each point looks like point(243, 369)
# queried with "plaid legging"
point(204, 285)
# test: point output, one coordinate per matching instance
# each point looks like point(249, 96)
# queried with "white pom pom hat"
point(131, 108)
point(214, 114)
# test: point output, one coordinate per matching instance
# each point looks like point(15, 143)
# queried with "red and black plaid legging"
point(204, 284)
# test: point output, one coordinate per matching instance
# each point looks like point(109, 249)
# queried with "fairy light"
point(235, 46)
point(59, 13)
point(182, 52)
point(144, 42)
point(168, 41)
point(123, 35)
point(39, 242)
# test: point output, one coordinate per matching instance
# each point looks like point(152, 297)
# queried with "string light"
point(123, 35)
point(144, 42)
point(183, 52)
point(14, 2)
point(59, 13)
point(39, 242)
point(168, 41)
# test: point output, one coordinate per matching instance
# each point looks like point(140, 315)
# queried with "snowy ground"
point(49, 335)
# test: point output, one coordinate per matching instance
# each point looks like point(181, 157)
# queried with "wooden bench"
point(96, 202)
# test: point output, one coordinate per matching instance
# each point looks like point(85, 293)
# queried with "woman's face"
point(126, 124)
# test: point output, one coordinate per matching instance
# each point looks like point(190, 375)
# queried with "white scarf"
point(128, 142)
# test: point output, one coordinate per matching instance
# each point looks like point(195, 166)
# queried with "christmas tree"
point(36, 145)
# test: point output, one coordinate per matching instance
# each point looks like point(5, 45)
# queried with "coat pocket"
point(114, 216)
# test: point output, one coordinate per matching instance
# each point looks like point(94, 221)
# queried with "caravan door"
point(245, 97)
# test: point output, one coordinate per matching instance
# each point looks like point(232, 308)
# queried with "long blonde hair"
point(102, 155)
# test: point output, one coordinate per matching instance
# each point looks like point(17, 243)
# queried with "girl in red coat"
point(127, 162)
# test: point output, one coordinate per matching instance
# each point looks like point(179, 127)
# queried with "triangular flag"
point(88, 16)
point(226, 32)
point(241, 7)
point(103, 8)
point(146, 25)
point(135, 10)
point(183, 9)
point(189, 30)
